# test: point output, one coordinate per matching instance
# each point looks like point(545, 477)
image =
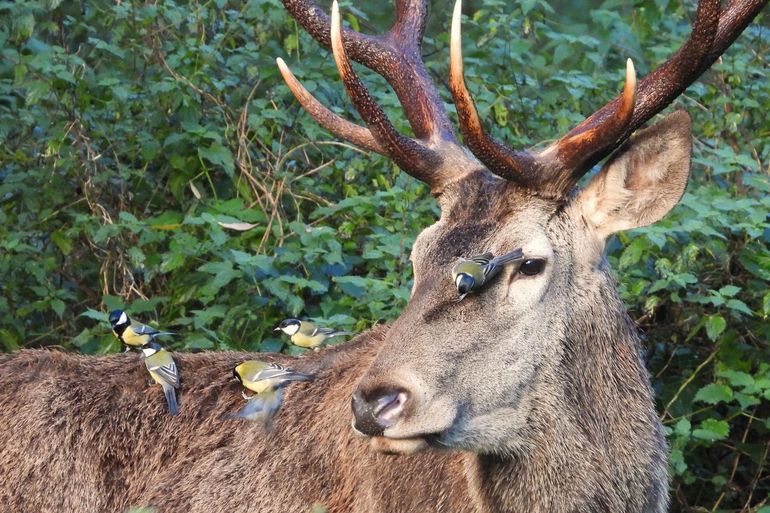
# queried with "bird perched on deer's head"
point(471, 274)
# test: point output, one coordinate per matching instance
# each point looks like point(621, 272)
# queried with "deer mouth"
point(406, 444)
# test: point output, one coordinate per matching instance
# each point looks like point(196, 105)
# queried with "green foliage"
point(152, 159)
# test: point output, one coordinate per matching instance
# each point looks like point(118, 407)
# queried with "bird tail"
point(170, 392)
point(298, 376)
point(516, 254)
point(339, 333)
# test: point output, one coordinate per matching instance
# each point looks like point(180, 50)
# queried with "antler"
point(556, 169)
point(396, 56)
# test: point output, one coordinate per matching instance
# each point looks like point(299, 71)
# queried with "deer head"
point(482, 374)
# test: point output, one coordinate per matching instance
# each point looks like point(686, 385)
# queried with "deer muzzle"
point(378, 411)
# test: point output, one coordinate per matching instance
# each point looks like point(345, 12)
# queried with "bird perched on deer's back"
point(307, 334)
point(164, 371)
point(269, 381)
point(133, 333)
point(258, 376)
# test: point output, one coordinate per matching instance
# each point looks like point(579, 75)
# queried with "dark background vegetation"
point(134, 135)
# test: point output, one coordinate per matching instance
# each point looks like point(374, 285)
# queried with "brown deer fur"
point(527, 396)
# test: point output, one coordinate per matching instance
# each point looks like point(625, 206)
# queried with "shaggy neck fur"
point(597, 444)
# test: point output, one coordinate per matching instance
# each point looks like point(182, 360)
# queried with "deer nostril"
point(388, 407)
point(379, 411)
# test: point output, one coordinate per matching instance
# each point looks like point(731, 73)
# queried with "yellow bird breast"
point(258, 386)
point(132, 339)
point(307, 341)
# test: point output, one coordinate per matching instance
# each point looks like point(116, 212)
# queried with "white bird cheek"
point(123, 318)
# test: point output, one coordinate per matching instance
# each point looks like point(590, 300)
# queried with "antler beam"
point(555, 170)
point(395, 55)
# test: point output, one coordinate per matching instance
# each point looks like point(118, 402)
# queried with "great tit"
point(307, 334)
point(258, 376)
point(469, 275)
point(262, 407)
point(132, 333)
point(163, 370)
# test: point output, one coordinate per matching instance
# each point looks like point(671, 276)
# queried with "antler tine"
point(501, 160)
point(342, 128)
point(566, 160)
point(395, 55)
point(407, 153)
point(563, 162)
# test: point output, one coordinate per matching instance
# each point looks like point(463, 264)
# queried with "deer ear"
point(643, 180)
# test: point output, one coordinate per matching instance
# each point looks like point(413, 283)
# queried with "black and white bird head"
point(289, 326)
point(118, 318)
point(464, 283)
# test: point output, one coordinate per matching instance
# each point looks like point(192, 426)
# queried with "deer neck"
point(597, 444)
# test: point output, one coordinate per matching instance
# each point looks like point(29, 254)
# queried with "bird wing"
point(261, 407)
point(482, 259)
point(497, 263)
point(507, 258)
point(143, 329)
point(308, 328)
point(279, 372)
point(167, 371)
point(253, 406)
point(329, 332)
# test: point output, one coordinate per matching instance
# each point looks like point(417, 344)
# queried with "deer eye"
point(532, 266)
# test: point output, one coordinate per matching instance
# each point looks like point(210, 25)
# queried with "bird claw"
point(460, 298)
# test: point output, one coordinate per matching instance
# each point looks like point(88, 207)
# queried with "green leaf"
point(57, 305)
point(96, 315)
point(712, 430)
point(729, 290)
point(736, 378)
point(683, 427)
point(746, 401)
point(766, 304)
point(219, 155)
point(62, 241)
point(740, 306)
point(715, 325)
point(714, 393)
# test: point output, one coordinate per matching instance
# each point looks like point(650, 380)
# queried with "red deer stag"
point(539, 402)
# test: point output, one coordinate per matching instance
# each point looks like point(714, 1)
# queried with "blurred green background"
point(151, 158)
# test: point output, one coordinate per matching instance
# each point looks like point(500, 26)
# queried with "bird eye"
point(532, 266)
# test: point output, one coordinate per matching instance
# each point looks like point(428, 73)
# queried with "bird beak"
point(278, 328)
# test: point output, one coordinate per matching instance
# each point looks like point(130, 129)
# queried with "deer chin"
point(402, 446)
